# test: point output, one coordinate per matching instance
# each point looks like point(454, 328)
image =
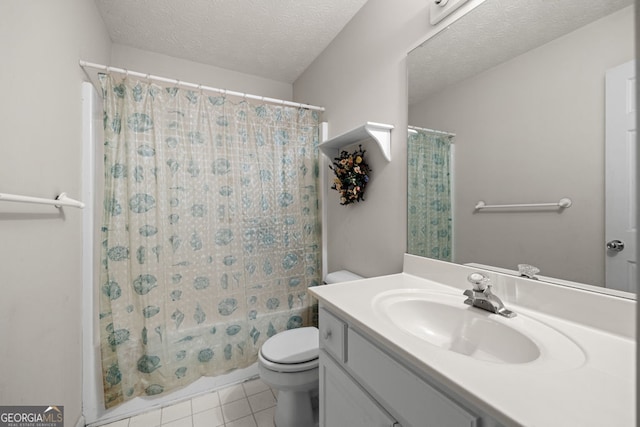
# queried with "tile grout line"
point(245, 395)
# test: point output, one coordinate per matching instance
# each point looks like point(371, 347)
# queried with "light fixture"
point(440, 9)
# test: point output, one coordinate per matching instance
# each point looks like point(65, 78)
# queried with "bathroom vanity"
point(404, 350)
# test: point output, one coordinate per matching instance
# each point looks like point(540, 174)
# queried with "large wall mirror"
point(521, 84)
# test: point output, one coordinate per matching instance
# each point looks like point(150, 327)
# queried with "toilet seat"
point(294, 350)
point(288, 368)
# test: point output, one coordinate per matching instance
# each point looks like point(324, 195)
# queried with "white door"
point(620, 198)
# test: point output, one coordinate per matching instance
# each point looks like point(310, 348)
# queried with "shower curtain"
point(429, 194)
point(210, 232)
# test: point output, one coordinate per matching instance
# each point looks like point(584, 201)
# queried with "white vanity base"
point(373, 373)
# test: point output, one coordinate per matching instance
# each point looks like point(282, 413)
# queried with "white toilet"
point(288, 362)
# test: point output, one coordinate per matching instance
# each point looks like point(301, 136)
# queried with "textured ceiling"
point(274, 39)
point(494, 32)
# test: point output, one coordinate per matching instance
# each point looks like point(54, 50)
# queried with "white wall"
point(41, 43)
point(361, 77)
point(166, 66)
point(532, 130)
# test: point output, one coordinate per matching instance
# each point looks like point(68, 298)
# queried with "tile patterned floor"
point(250, 404)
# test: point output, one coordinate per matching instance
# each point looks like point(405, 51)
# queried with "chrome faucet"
point(482, 297)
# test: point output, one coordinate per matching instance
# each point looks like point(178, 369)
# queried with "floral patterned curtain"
point(429, 195)
point(210, 232)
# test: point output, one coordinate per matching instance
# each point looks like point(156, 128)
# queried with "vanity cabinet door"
point(415, 402)
point(345, 403)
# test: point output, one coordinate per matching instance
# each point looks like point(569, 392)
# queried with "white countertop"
point(595, 390)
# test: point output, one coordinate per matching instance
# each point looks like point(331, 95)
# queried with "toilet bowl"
point(288, 362)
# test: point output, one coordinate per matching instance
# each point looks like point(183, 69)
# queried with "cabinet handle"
point(327, 334)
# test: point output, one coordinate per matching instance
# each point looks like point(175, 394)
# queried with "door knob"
point(615, 245)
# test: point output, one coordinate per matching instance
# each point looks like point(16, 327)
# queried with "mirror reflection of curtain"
point(210, 233)
point(429, 194)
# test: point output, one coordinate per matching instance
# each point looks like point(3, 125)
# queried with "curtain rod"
point(107, 68)
point(416, 128)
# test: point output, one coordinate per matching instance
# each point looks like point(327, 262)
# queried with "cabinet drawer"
point(332, 335)
point(415, 402)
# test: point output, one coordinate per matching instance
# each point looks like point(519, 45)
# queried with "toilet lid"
point(292, 346)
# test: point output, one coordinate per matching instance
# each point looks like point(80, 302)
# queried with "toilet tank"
point(341, 276)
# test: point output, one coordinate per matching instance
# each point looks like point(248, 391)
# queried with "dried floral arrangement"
point(352, 176)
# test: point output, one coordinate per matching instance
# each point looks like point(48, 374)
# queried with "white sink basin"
point(443, 320)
